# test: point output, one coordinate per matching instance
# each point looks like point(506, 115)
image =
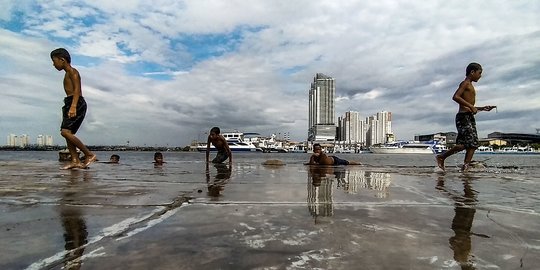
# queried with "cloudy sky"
point(163, 72)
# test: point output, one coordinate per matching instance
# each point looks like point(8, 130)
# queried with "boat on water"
point(513, 150)
point(484, 150)
point(404, 147)
point(236, 143)
point(516, 150)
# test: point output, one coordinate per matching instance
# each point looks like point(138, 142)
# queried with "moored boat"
point(236, 143)
point(409, 148)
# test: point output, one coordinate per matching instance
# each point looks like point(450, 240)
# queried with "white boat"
point(409, 148)
point(298, 148)
point(516, 150)
point(236, 143)
point(484, 150)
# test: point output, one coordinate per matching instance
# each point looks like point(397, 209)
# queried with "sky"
point(164, 72)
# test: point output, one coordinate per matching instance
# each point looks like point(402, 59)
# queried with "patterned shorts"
point(466, 128)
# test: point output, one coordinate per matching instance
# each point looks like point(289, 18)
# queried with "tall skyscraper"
point(352, 129)
point(44, 140)
point(322, 122)
point(379, 128)
point(24, 140)
point(385, 119)
point(48, 140)
point(12, 140)
point(40, 140)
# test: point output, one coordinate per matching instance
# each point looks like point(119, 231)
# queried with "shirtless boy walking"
point(467, 138)
point(73, 111)
point(220, 143)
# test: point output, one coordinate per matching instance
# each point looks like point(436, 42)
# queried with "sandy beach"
point(393, 212)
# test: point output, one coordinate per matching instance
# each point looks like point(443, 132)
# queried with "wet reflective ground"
point(394, 212)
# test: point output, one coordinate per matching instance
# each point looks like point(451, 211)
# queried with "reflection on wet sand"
point(353, 180)
point(71, 216)
point(462, 222)
point(320, 186)
point(319, 191)
point(221, 178)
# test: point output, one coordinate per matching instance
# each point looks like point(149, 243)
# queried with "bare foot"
point(73, 165)
point(465, 167)
point(89, 160)
point(440, 162)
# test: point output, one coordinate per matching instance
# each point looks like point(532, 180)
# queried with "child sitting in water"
point(158, 159)
point(320, 158)
point(114, 159)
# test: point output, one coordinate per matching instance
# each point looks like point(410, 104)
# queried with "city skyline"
point(350, 128)
point(24, 140)
point(374, 129)
point(163, 72)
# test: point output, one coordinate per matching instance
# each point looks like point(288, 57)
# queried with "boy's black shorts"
point(339, 161)
point(74, 123)
point(220, 157)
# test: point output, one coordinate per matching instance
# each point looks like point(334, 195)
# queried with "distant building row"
point(24, 140)
point(494, 138)
point(351, 129)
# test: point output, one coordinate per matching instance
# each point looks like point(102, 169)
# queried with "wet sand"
point(251, 216)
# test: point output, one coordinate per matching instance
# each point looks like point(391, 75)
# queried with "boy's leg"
point(442, 157)
point(221, 156)
point(72, 139)
point(468, 158)
point(75, 161)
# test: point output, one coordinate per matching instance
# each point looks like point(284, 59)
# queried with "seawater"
point(392, 212)
point(527, 162)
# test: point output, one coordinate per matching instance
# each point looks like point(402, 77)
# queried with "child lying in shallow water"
point(320, 158)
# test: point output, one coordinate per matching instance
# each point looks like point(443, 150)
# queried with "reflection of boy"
point(220, 143)
point(73, 111)
point(221, 178)
point(320, 158)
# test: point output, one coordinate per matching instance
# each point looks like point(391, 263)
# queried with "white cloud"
point(407, 58)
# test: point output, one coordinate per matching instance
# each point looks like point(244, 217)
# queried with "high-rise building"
point(40, 140)
point(322, 126)
point(48, 140)
point(372, 131)
point(385, 119)
point(44, 140)
point(12, 140)
point(379, 128)
point(351, 128)
point(24, 140)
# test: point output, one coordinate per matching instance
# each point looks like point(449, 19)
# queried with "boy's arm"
point(486, 108)
point(458, 96)
point(207, 149)
point(312, 159)
point(75, 79)
point(227, 149)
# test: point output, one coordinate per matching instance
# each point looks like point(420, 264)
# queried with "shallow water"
point(393, 212)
